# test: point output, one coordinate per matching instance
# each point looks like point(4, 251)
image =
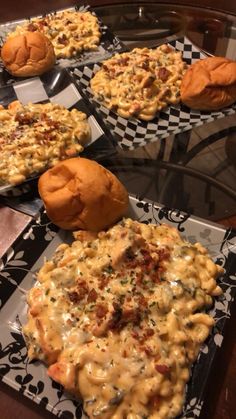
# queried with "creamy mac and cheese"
point(140, 83)
point(69, 31)
point(119, 318)
point(35, 137)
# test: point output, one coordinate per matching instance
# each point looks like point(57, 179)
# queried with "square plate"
point(109, 44)
point(39, 241)
point(132, 133)
point(58, 86)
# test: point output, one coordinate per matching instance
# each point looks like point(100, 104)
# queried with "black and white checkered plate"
point(132, 133)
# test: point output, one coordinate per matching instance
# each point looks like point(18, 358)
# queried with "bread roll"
point(209, 84)
point(81, 194)
point(29, 54)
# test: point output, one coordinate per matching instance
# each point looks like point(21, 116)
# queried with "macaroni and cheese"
point(70, 32)
point(141, 82)
point(119, 318)
point(35, 137)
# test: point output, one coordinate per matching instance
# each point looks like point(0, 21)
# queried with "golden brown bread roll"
point(81, 194)
point(209, 84)
point(29, 54)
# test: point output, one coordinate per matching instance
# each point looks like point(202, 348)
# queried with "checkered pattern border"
point(133, 133)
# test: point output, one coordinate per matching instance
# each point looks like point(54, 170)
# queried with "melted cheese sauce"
point(119, 318)
point(141, 82)
point(35, 137)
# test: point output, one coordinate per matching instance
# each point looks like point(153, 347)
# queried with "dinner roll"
point(209, 84)
point(81, 194)
point(28, 54)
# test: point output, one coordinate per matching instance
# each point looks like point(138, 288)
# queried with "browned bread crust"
point(29, 54)
point(209, 84)
point(81, 194)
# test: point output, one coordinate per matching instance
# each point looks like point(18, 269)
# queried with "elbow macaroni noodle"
point(119, 318)
point(141, 82)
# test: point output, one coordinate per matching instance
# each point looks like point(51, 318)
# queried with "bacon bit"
point(116, 317)
point(129, 253)
point(80, 293)
point(101, 310)
point(130, 315)
point(31, 27)
point(144, 64)
point(139, 278)
point(43, 22)
point(123, 60)
point(92, 296)
point(163, 73)
point(146, 255)
point(120, 318)
point(142, 301)
point(63, 39)
point(104, 66)
point(135, 335)
point(53, 124)
point(147, 350)
point(163, 254)
point(131, 264)
point(48, 136)
point(24, 119)
point(103, 281)
point(149, 332)
point(74, 297)
point(155, 402)
point(162, 369)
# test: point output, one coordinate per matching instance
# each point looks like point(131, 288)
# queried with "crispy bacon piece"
point(163, 73)
point(123, 60)
point(154, 402)
point(63, 39)
point(24, 118)
point(81, 291)
point(101, 310)
point(162, 369)
point(31, 27)
point(103, 281)
point(92, 296)
point(121, 317)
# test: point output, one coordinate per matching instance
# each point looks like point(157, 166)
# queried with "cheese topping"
point(35, 137)
point(141, 82)
point(70, 32)
point(120, 318)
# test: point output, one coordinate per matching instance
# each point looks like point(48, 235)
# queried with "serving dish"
point(57, 86)
point(132, 133)
point(109, 43)
point(18, 267)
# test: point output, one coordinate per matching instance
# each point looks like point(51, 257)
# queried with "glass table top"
point(194, 171)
